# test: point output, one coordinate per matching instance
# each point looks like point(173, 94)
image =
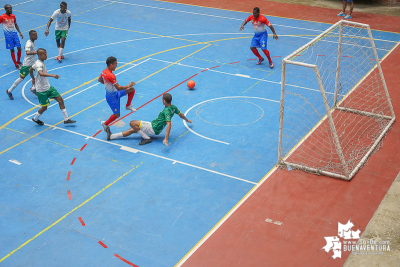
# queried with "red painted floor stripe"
point(204, 70)
point(83, 146)
point(69, 174)
point(96, 133)
point(122, 259)
point(153, 99)
point(82, 222)
point(252, 59)
point(73, 161)
point(234, 62)
point(69, 195)
point(215, 67)
point(104, 245)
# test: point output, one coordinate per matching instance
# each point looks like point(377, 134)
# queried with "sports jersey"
point(258, 23)
point(8, 23)
point(29, 60)
point(109, 82)
point(41, 83)
point(165, 115)
point(61, 19)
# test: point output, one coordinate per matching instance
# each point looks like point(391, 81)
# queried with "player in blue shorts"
point(10, 29)
point(260, 38)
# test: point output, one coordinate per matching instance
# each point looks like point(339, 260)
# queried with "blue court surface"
point(147, 204)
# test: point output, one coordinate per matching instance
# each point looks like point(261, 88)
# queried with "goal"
point(335, 108)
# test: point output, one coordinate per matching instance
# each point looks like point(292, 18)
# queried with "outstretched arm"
point(183, 117)
point(243, 24)
point(46, 33)
point(41, 73)
point(165, 141)
point(273, 31)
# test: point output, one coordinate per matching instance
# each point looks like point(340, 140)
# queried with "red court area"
point(284, 222)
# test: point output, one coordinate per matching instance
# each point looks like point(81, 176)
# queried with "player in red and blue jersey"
point(114, 91)
point(10, 29)
point(260, 35)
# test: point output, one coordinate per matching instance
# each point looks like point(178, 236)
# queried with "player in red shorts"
point(260, 35)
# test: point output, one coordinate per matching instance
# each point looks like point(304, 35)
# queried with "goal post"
point(335, 108)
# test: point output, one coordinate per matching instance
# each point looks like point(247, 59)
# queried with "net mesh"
point(307, 138)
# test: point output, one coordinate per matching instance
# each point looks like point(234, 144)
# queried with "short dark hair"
point(167, 98)
point(257, 9)
point(110, 60)
point(31, 31)
point(6, 5)
point(40, 50)
point(63, 4)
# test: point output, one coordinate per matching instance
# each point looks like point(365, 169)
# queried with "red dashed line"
point(69, 174)
point(82, 222)
point(252, 59)
point(204, 70)
point(104, 245)
point(348, 56)
point(69, 195)
point(234, 62)
point(96, 133)
point(72, 163)
point(83, 146)
point(122, 259)
point(215, 67)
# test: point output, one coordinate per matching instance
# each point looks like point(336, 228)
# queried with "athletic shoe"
point(103, 123)
point(341, 14)
point(39, 122)
point(18, 67)
point(348, 17)
point(9, 95)
point(130, 108)
point(271, 64)
point(145, 141)
point(108, 131)
point(58, 58)
point(69, 121)
point(62, 57)
point(260, 61)
point(33, 91)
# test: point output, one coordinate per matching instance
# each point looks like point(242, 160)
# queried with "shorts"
point(60, 34)
point(113, 100)
point(146, 127)
point(260, 41)
point(44, 96)
point(24, 71)
point(12, 41)
point(348, 1)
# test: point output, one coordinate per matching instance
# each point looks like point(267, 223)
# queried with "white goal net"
point(335, 106)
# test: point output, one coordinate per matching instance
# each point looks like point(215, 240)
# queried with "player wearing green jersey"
point(145, 128)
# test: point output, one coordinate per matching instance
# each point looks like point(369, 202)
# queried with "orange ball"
point(190, 84)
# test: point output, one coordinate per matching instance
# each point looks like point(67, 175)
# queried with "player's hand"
point(189, 121)
point(22, 37)
point(165, 142)
point(131, 84)
point(241, 28)
point(275, 36)
point(46, 33)
point(56, 76)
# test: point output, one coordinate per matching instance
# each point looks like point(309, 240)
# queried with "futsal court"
point(69, 197)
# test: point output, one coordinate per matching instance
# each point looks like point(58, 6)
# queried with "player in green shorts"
point(62, 17)
point(44, 90)
point(145, 128)
point(29, 60)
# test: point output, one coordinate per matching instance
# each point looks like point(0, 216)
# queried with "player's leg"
point(58, 41)
point(255, 42)
point(131, 94)
point(19, 52)
point(53, 93)
point(14, 85)
point(62, 44)
point(349, 16)
point(264, 46)
point(114, 104)
point(12, 51)
point(145, 129)
point(135, 127)
point(44, 102)
point(342, 13)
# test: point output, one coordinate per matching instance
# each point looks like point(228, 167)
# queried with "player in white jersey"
point(29, 60)
point(44, 90)
point(62, 17)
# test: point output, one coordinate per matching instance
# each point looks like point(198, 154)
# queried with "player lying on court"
point(114, 91)
point(145, 128)
point(260, 38)
point(43, 89)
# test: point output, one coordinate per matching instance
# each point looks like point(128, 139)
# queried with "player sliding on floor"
point(260, 38)
point(29, 60)
point(62, 17)
point(114, 91)
point(145, 128)
point(43, 89)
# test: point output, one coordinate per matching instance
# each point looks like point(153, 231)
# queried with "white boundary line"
point(202, 136)
point(22, 3)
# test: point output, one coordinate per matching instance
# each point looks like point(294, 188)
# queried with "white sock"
point(142, 134)
point(15, 84)
point(117, 135)
point(65, 115)
point(37, 116)
point(33, 87)
point(60, 51)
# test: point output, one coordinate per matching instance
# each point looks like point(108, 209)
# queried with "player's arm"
point(46, 33)
point(183, 117)
point(165, 141)
point(32, 76)
point(69, 22)
point(100, 80)
point(273, 31)
point(20, 34)
point(243, 24)
point(41, 73)
point(119, 87)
